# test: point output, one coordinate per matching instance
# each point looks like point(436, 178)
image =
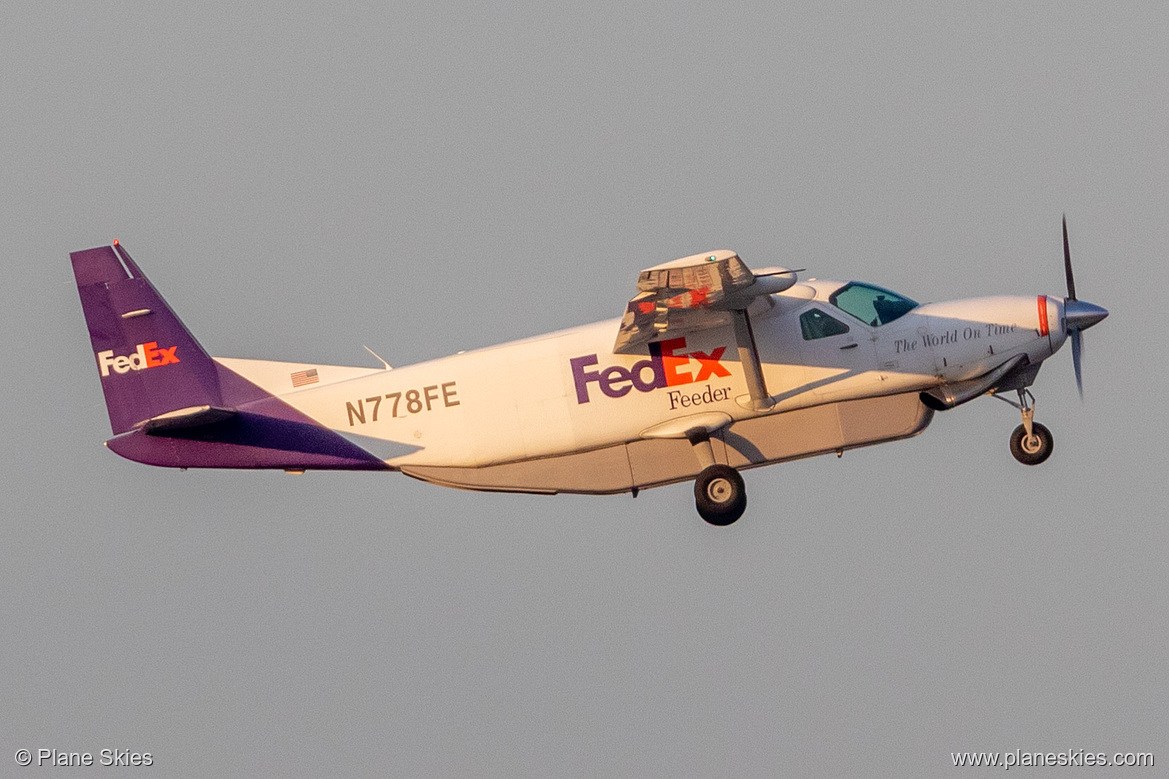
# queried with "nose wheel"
point(1031, 448)
point(1031, 442)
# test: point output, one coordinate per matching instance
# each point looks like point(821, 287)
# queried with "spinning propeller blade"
point(1077, 346)
point(1078, 315)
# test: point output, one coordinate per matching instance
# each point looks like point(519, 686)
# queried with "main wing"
point(693, 293)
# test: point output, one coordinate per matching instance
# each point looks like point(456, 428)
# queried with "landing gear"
point(1033, 448)
point(720, 495)
point(1031, 442)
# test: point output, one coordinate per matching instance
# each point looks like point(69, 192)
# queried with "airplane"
point(713, 368)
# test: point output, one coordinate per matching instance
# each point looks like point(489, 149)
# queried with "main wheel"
point(720, 495)
point(1034, 449)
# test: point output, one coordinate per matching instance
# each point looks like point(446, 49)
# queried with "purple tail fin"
point(170, 403)
point(148, 362)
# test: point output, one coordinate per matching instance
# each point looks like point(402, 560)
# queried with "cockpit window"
point(814, 324)
point(870, 304)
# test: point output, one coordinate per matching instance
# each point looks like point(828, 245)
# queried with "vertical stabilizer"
point(148, 362)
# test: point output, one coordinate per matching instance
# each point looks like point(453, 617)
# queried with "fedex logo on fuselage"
point(148, 355)
point(667, 366)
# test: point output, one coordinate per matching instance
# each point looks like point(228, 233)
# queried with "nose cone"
point(1080, 315)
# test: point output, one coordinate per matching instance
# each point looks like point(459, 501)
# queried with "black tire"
point(720, 495)
point(1034, 451)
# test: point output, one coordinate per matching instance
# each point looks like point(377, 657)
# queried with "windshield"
point(871, 304)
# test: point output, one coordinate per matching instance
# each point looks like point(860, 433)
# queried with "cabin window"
point(814, 324)
point(870, 304)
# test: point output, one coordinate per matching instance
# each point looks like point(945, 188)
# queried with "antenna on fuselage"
point(378, 356)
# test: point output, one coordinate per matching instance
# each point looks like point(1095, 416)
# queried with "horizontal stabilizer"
point(197, 416)
point(272, 436)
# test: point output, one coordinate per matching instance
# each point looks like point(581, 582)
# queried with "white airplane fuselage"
point(568, 392)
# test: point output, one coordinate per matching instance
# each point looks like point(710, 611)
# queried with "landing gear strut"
point(1031, 442)
point(719, 493)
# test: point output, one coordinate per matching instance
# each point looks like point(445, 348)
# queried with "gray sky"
point(300, 180)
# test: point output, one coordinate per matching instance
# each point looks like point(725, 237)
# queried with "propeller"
point(1078, 314)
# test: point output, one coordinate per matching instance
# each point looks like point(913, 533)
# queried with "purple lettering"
point(581, 378)
point(614, 375)
point(657, 375)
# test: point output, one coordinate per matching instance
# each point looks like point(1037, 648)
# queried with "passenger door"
point(838, 353)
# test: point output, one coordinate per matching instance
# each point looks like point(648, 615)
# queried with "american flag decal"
point(301, 378)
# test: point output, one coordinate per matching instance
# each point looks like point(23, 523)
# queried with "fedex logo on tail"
point(667, 366)
point(148, 355)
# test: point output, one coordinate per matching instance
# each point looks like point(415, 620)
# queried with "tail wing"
point(149, 363)
point(170, 403)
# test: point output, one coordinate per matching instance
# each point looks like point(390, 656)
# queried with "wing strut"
point(749, 359)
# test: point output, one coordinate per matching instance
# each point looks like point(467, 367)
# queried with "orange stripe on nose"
point(1043, 315)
